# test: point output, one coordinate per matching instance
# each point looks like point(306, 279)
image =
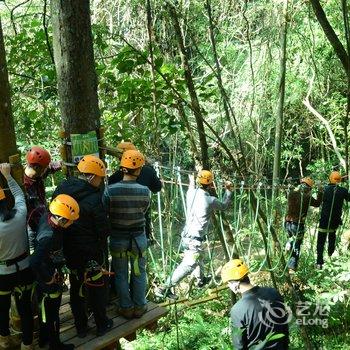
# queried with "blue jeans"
point(124, 257)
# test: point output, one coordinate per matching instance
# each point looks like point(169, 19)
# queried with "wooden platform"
point(122, 328)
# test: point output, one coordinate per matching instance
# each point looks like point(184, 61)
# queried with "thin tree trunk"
point(191, 89)
point(279, 115)
point(346, 116)
point(223, 93)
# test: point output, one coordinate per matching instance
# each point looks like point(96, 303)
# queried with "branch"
point(325, 122)
point(331, 35)
point(46, 33)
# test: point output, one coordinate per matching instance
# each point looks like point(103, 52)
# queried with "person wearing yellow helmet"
point(299, 201)
point(258, 315)
point(47, 262)
point(331, 215)
point(127, 202)
point(85, 244)
point(15, 274)
point(200, 207)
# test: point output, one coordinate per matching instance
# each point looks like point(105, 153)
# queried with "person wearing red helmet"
point(38, 167)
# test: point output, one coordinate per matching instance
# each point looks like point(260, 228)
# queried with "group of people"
point(89, 219)
point(332, 198)
point(70, 236)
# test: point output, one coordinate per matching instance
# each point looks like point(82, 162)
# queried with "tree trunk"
point(331, 35)
point(7, 130)
point(75, 66)
point(279, 115)
point(191, 89)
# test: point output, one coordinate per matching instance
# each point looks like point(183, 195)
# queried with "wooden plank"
point(124, 329)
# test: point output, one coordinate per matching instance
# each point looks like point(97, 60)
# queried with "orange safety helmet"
point(65, 206)
point(308, 181)
point(2, 194)
point(132, 159)
point(334, 177)
point(234, 270)
point(38, 155)
point(126, 146)
point(205, 177)
point(91, 164)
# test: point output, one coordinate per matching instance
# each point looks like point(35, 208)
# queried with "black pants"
point(96, 300)
point(321, 241)
point(50, 326)
point(23, 302)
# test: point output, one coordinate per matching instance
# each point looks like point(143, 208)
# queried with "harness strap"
point(326, 230)
point(129, 254)
point(5, 292)
point(51, 296)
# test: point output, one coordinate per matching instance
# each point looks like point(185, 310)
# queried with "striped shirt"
point(126, 203)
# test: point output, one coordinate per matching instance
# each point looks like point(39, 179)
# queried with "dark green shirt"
point(260, 312)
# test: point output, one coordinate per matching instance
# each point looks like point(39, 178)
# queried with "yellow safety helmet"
point(205, 177)
point(2, 194)
point(334, 177)
point(132, 159)
point(65, 206)
point(307, 180)
point(234, 270)
point(92, 165)
point(126, 146)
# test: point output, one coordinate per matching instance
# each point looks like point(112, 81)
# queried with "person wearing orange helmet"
point(127, 202)
point(200, 206)
point(331, 213)
point(15, 274)
point(147, 177)
point(38, 167)
point(47, 262)
point(299, 201)
point(258, 315)
point(84, 245)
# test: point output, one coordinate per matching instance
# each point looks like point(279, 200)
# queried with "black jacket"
point(332, 206)
point(43, 261)
point(148, 177)
point(86, 238)
point(259, 312)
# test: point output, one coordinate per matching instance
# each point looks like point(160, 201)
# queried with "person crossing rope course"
point(331, 213)
point(299, 201)
point(200, 206)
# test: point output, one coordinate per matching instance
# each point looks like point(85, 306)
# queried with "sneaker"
point(82, 333)
point(291, 271)
point(139, 311)
point(165, 293)
point(318, 266)
point(127, 313)
point(205, 280)
point(105, 329)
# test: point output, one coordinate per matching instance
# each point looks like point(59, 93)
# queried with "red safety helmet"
point(38, 155)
